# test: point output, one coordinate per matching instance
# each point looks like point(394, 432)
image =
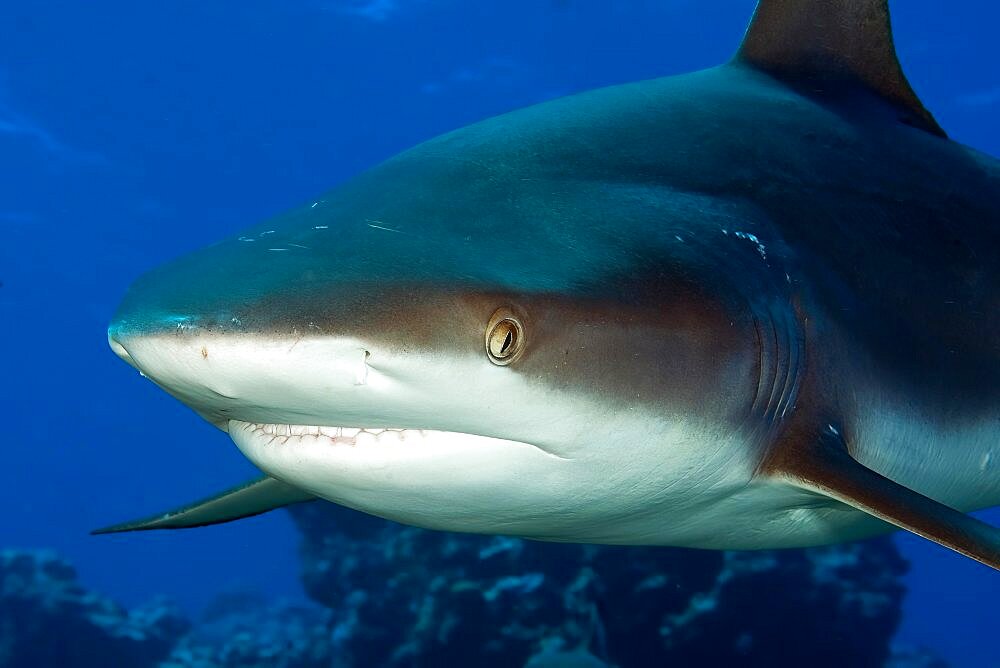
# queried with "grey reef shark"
point(756, 306)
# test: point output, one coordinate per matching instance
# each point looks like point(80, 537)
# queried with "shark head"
point(467, 338)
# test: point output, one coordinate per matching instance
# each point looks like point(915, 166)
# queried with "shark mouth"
point(281, 434)
point(433, 479)
point(263, 441)
point(413, 476)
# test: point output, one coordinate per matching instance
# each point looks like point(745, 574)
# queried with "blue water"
point(131, 132)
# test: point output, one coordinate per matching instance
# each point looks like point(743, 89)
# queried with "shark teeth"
point(336, 435)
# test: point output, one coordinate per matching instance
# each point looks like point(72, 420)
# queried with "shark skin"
point(755, 306)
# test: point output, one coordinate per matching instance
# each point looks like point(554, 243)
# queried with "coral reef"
point(48, 619)
point(397, 596)
point(407, 597)
point(914, 657)
point(242, 630)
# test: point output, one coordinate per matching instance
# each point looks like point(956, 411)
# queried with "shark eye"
point(504, 337)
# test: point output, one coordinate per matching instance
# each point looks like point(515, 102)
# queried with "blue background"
point(131, 132)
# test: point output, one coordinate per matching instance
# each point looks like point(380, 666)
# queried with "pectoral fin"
point(252, 498)
point(828, 468)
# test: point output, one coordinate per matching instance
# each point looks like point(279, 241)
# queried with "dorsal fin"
point(836, 41)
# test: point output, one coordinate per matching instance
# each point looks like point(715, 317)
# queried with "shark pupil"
point(507, 341)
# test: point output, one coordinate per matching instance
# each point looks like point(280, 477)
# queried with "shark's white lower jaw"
point(436, 479)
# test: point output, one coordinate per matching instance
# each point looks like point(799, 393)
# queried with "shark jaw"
point(429, 478)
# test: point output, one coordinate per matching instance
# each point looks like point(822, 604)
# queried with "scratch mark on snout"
point(298, 337)
point(373, 224)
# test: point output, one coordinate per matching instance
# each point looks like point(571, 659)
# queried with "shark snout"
point(256, 377)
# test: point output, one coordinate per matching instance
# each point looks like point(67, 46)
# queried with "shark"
point(755, 306)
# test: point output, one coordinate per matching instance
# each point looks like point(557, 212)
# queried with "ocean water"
point(133, 132)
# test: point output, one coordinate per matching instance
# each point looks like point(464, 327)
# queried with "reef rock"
point(904, 656)
point(401, 596)
point(242, 630)
point(48, 619)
